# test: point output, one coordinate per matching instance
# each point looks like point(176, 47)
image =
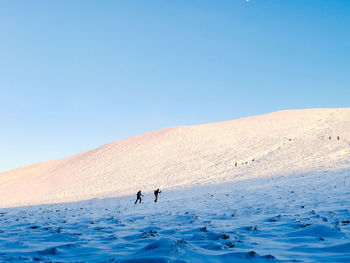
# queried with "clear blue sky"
point(75, 75)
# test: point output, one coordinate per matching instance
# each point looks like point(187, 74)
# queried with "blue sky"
point(75, 75)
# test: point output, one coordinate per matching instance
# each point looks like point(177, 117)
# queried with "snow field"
point(267, 188)
point(297, 218)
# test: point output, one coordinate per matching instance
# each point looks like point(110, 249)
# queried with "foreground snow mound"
point(286, 142)
point(295, 218)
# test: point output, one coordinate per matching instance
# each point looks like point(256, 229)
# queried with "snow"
point(181, 157)
point(295, 218)
point(290, 204)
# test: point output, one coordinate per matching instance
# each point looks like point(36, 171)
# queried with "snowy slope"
point(291, 204)
point(281, 143)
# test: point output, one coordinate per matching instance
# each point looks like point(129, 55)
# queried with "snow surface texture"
point(291, 204)
point(296, 218)
point(281, 143)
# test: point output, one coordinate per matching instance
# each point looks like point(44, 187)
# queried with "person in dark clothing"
point(138, 197)
point(156, 192)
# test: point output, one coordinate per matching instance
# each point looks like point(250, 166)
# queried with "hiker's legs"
point(137, 200)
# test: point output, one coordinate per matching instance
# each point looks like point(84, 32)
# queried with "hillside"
point(279, 143)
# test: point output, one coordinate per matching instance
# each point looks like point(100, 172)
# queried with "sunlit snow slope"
point(276, 144)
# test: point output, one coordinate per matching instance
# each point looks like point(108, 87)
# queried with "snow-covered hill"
point(286, 200)
point(276, 144)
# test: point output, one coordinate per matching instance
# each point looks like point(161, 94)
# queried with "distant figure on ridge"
point(156, 192)
point(138, 197)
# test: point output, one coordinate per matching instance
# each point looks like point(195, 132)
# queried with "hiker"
point(138, 197)
point(338, 138)
point(156, 192)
